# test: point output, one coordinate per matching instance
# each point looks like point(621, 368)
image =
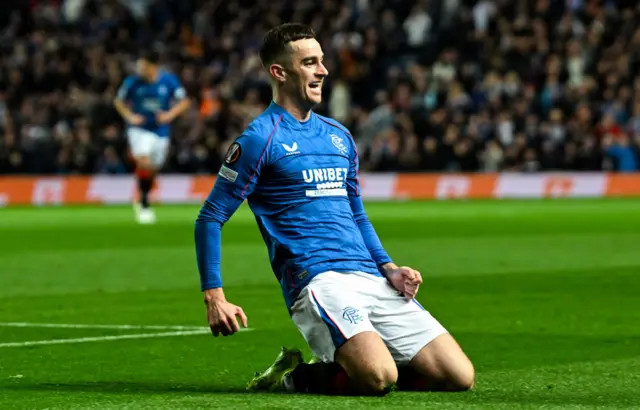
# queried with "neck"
point(297, 110)
point(153, 75)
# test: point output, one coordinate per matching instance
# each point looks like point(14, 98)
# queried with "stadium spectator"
point(486, 86)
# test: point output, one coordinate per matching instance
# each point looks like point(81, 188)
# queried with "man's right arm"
point(215, 212)
point(120, 102)
point(236, 180)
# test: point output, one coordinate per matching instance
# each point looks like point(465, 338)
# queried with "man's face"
point(144, 68)
point(305, 71)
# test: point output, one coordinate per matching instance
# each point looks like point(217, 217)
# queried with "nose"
point(322, 70)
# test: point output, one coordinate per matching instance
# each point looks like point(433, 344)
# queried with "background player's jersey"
point(147, 99)
point(301, 182)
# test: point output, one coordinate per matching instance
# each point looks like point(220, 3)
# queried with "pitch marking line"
point(85, 326)
point(177, 331)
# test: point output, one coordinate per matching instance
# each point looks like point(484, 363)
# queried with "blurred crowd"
point(424, 85)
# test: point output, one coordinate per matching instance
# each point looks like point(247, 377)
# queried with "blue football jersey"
point(149, 98)
point(301, 183)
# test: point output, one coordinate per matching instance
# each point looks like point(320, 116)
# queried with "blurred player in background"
point(149, 101)
point(355, 308)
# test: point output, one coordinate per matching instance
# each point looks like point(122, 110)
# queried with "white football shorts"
point(334, 307)
point(144, 143)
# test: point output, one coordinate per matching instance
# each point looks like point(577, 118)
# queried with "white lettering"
point(326, 192)
point(308, 176)
point(320, 175)
point(151, 105)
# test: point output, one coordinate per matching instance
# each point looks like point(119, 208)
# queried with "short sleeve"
point(124, 92)
point(178, 90)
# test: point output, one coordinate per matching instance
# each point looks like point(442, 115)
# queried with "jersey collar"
point(289, 119)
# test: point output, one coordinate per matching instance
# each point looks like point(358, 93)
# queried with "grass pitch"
point(542, 295)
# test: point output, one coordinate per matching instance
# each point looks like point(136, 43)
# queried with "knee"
point(381, 381)
point(464, 379)
point(144, 162)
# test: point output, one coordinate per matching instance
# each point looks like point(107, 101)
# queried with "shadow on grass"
point(492, 396)
point(107, 387)
point(542, 397)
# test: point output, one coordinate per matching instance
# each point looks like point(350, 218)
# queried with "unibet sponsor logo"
point(329, 181)
point(324, 175)
point(151, 104)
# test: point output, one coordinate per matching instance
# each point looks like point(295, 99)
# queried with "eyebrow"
point(312, 58)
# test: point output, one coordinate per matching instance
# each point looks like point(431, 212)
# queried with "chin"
point(314, 100)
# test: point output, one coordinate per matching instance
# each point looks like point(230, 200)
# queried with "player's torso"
point(302, 204)
point(306, 168)
point(150, 99)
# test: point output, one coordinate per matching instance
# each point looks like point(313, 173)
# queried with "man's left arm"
point(381, 258)
point(404, 279)
point(371, 239)
point(182, 102)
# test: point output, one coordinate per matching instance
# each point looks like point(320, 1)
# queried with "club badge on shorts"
point(352, 315)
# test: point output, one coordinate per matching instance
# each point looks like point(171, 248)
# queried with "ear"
point(277, 72)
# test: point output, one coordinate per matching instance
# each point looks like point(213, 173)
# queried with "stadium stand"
point(423, 85)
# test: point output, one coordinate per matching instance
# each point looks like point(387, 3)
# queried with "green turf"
point(543, 296)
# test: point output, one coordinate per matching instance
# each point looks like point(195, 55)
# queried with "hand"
point(221, 314)
point(136, 119)
point(405, 280)
point(164, 117)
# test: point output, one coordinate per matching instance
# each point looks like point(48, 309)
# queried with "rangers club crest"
point(337, 141)
point(352, 315)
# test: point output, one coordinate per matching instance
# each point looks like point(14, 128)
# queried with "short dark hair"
point(276, 41)
point(151, 56)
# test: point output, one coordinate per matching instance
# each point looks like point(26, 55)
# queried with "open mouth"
point(315, 84)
